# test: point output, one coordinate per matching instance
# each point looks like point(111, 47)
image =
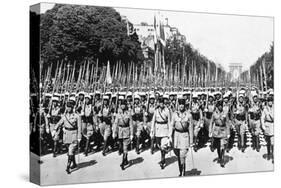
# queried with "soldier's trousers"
point(72, 147)
point(125, 144)
point(105, 130)
point(55, 134)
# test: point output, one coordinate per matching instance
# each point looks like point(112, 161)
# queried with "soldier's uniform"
point(104, 117)
point(123, 129)
point(255, 123)
point(241, 123)
point(210, 108)
point(160, 129)
point(267, 120)
point(71, 124)
point(87, 122)
point(197, 120)
point(148, 121)
point(182, 135)
point(53, 118)
point(220, 131)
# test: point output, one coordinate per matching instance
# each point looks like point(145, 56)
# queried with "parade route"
point(97, 168)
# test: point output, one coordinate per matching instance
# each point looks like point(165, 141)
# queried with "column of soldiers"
point(154, 119)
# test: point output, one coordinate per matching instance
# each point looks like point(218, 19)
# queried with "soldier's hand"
point(79, 140)
point(53, 132)
point(47, 130)
point(210, 135)
point(131, 137)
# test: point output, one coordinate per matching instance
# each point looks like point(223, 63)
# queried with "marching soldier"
point(240, 122)
point(227, 111)
point(161, 128)
point(210, 108)
point(182, 133)
point(148, 120)
point(138, 117)
point(87, 122)
point(267, 120)
point(53, 118)
point(104, 117)
point(219, 131)
point(197, 119)
point(71, 123)
point(255, 121)
point(123, 128)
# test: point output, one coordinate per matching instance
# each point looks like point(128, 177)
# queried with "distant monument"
point(235, 70)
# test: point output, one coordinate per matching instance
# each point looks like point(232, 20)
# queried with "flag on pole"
point(108, 78)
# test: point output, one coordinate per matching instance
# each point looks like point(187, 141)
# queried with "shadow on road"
point(227, 159)
point(266, 156)
point(193, 172)
point(135, 161)
point(171, 160)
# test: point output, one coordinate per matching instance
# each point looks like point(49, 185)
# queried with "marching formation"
point(141, 118)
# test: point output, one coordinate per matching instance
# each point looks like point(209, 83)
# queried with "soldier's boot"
point(243, 143)
point(126, 162)
point(219, 155)
point(212, 145)
point(104, 148)
point(74, 164)
point(258, 143)
point(162, 163)
point(152, 146)
point(55, 148)
point(122, 165)
point(195, 144)
point(138, 145)
point(272, 153)
point(254, 142)
point(86, 150)
point(222, 159)
point(268, 147)
point(183, 169)
point(68, 165)
point(180, 167)
point(120, 147)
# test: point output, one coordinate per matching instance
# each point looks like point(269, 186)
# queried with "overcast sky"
point(222, 38)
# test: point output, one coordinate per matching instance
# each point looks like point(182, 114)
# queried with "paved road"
point(97, 168)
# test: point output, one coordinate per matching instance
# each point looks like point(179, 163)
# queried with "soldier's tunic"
point(123, 128)
point(87, 121)
point(160, 126)
point(267, 119)
point(196, 118)
point(138, 118)
point(71, 123)
point(181, 124)
point(240, 120)
point(208, 115)
point(54, 118)
point(105, 122)
point(255, 119)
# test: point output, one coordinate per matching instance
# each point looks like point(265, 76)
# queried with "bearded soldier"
point(53, 118)
point(255, 121)
point(220, 131)
point(71, 123)
point(138, 117)
point(197, 119)
point(181, 130)
point(267, 120)
point(123, 128)
point(148, 120)
point(240, 122)
point(160, 129)
point(87, 122)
